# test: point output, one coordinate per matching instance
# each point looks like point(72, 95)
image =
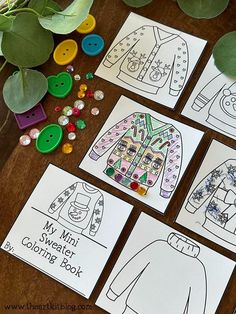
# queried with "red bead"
point(76, 112)
point(57, 108)
point(71, 127)
point(89, 93)
point(134, 186)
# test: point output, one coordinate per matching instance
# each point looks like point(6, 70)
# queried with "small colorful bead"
point(141, 190)
point(134, 186)
point(57, 109)
point(70, 127)
point(118, 177)
point(89, 76)
point(63, 120)
point(34, 133)
point(95, 111)
point(89, 93)
point(67, 148)
point(71, 136)
point(80, 124)
point(77, 77)
point(25, 140)
point(76, 112)
point(69, 68)
point(81, 94)
point(83, 87)
point(67, 111)
point(98, 95)
point(79, 104)
point(110, 172)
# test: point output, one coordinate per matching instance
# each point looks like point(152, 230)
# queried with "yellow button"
point(87, 26)
point(65, 52)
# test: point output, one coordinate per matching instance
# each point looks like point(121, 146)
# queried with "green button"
point(60, 85)
point(49, 138)
point(110, 172)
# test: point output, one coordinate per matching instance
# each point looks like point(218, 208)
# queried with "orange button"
point(65, 52)
point(87, 26)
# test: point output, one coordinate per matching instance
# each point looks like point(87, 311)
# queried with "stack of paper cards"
point(163, 271)
point(151, 59)
point(142, 153)
point(65, 229)
point(210, 206)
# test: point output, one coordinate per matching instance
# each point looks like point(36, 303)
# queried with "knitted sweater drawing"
point(217, 191)
point(144, 147)
point(158, 288)
point(80, 207)
point(148, 67)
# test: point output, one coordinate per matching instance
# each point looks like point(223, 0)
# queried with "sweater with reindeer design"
point(148, 67)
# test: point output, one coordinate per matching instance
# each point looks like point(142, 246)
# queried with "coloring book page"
point(164, 271)
point(213, 101)
point(65, 230)
point(142, 153)
point(210, 206)
point(151, 59)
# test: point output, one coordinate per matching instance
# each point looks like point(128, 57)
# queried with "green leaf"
point(203, 8)
point(42, 6)
point(224, 53)
point(24, 89)
point(1, 34)
point(27, 44)
point(137, 3)
point(5, 22)
point(68, 20)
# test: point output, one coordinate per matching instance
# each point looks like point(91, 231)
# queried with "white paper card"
point(140, 147)
point(65, 229)
point(210, 206)
point(213, 101)
point(161, 270)
point(151, 59)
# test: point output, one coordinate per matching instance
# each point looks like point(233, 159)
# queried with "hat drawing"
point(81, 202)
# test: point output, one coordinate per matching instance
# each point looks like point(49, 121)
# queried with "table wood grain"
point(22, 167)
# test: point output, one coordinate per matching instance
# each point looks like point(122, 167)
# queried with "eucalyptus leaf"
point(68, 20)
point(42, 6)
point(5, 22)
point(24, 89)
point(1, 34)
point(27, 44)
point(137, 3)
point(224, 53)
point(203, 8)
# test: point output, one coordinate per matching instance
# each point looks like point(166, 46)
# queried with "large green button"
point(60, 85)
point(49, 138)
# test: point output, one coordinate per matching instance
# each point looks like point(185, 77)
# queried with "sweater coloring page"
point(151, 59)
point(64, 229)
point(210, 206)
point(213, 101)
point(164, 271)
point(142, 153)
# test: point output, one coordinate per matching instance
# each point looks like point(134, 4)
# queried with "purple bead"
point(118, 177)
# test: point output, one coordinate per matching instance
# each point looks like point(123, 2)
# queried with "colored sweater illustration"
point(158, 288)
point(143, 148)
point(80, 206)
point(222, 113)
point(218, 192)
point(148, 66)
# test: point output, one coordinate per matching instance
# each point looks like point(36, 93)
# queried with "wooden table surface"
point(22, 167)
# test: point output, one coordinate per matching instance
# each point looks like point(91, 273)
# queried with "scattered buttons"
point(81, 94)
point(30, 117)
point(57, 109)
point(63, 120)
point(34, 133)
point(87, 26)
point(24, 140)
point(60, 85)
point(79, 104)
point(92, 44)
point(80, 124)
point(49, 138)
point(71, 127)
point(98, 95)
point(95, 111)
point(70, 68)
point(89, 76)
point(71, 136)
point(76, 112)
point(83, 87)
point(65, 52)
point(110, 172)
point(77, 77)
point(67, 111)
point(134, 186)
point(67, 148)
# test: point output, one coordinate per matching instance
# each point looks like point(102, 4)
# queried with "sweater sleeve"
point(130, 272)
point(97, 216)
point(62, 198)
point(206, 188)
point(109, 138)
point(123, 46)
point(172, 165)
point(180, 68)
point(208, 92)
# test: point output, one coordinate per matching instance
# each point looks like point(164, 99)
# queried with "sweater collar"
point(183, 244)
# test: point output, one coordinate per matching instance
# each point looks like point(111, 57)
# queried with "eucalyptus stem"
point(22, 10)
point(3, 65)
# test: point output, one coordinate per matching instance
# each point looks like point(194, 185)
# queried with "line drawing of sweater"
point(144, 147)
point(80, 206)
point(147, 67)
point(222, 112)
point(218, 192)
point(156, 286)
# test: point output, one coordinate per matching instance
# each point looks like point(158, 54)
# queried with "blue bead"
point(92, 44)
